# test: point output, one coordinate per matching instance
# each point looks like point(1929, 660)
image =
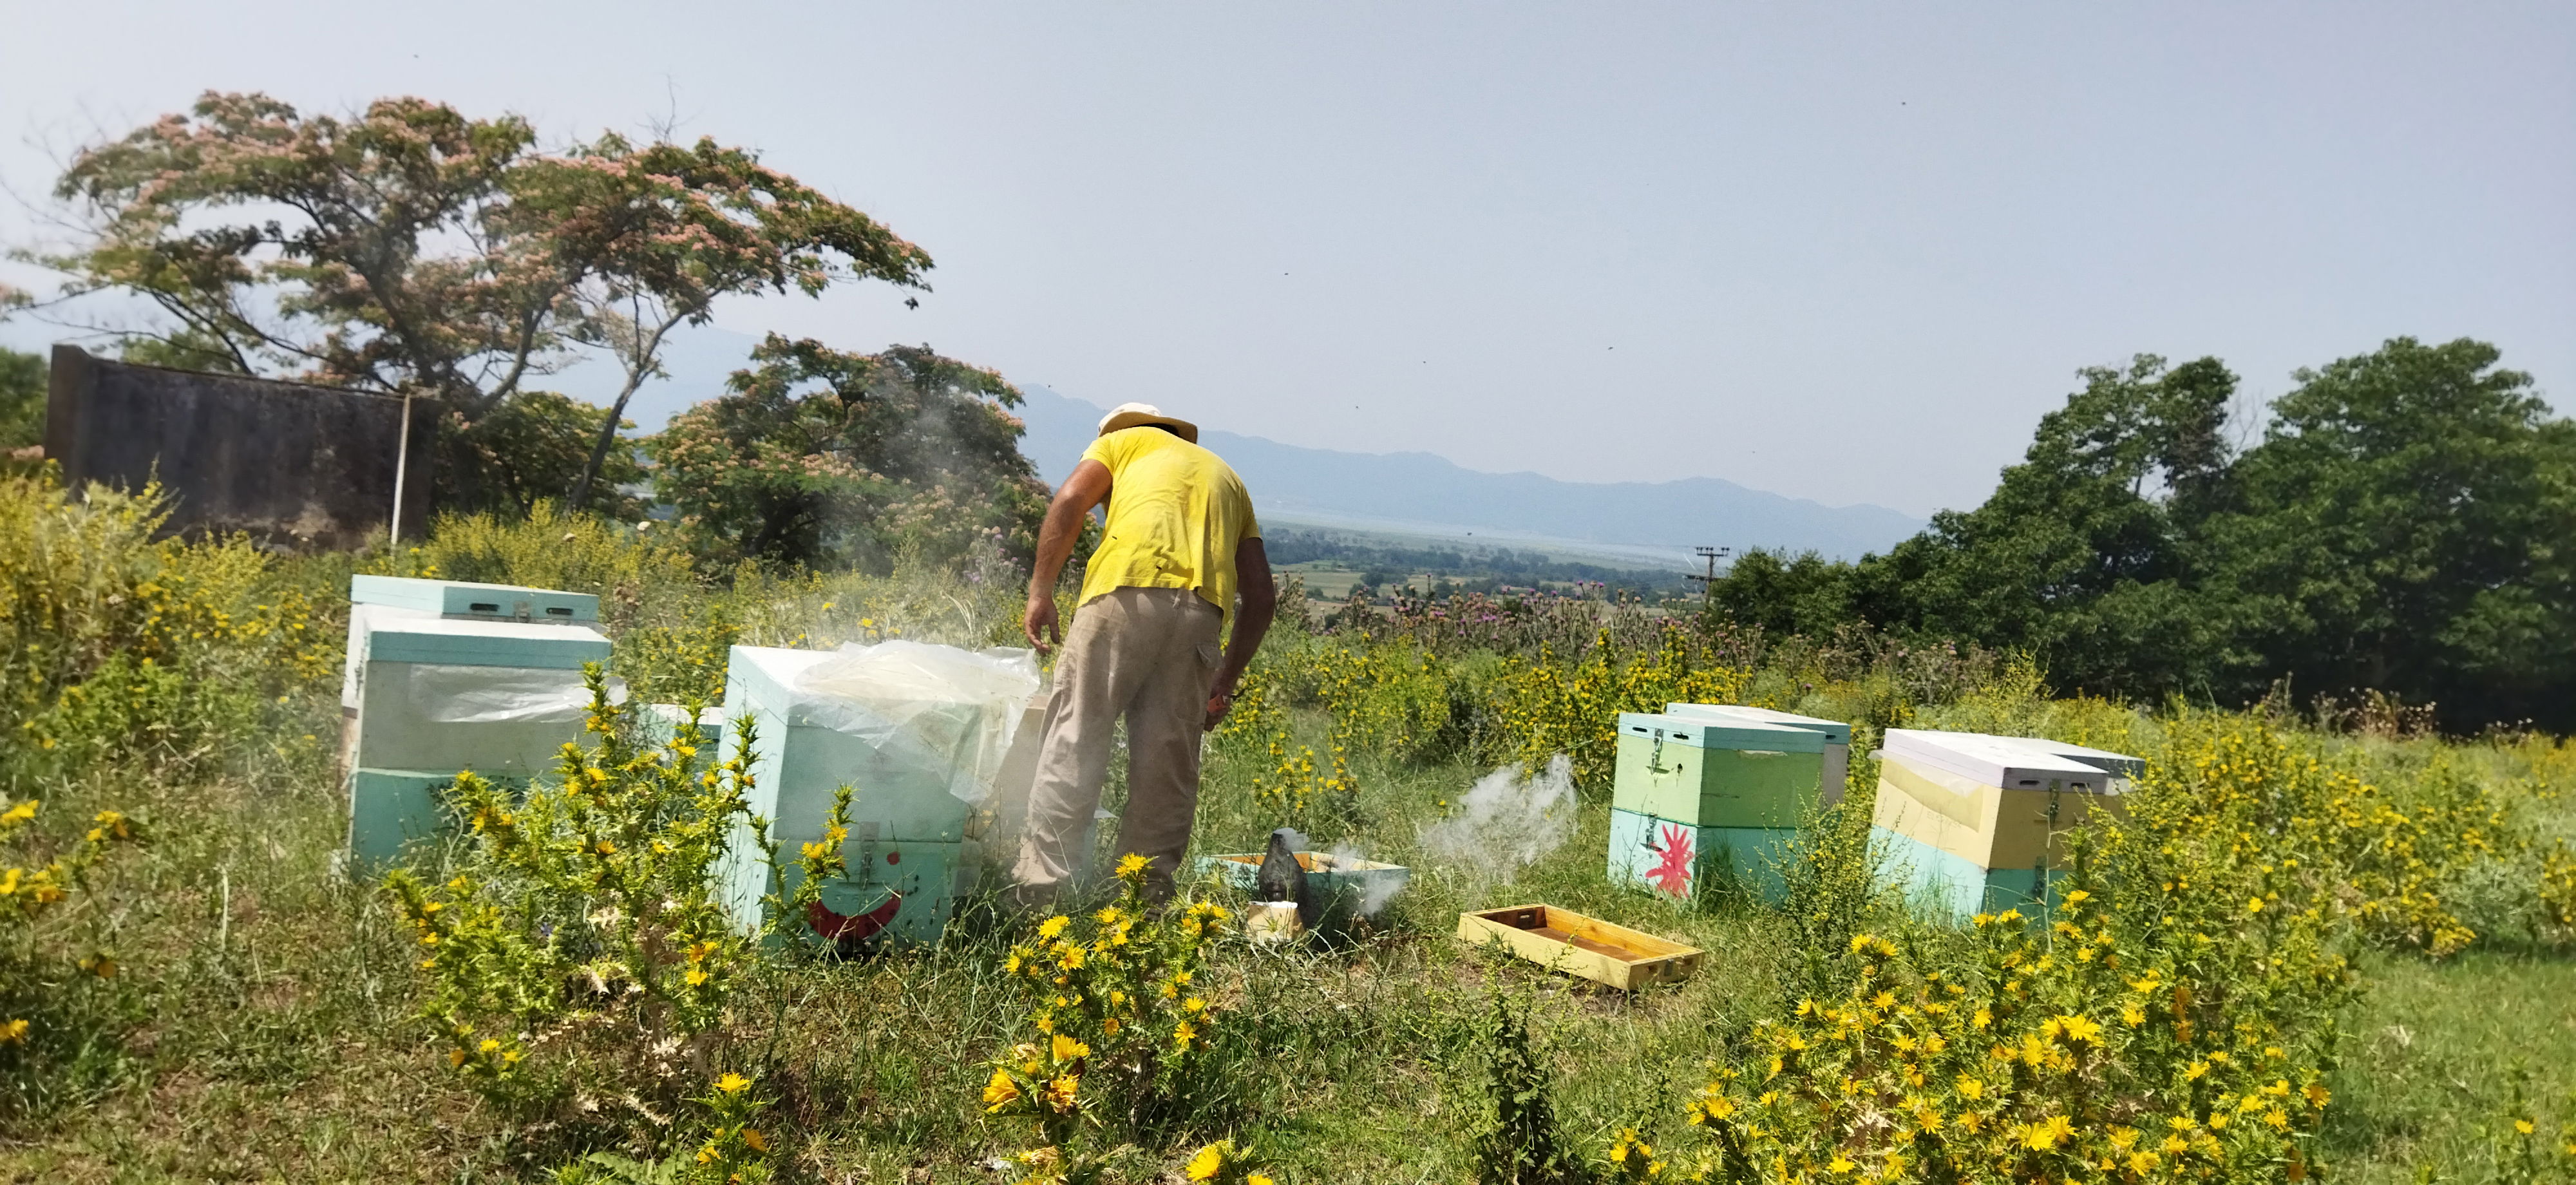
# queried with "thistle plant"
point(36, 973)
point(1117, 1019)
point(579, 963)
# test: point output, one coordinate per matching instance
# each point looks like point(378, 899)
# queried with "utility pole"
point(1708, 583)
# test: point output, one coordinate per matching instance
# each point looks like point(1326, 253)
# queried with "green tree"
point(525, 445)
point(818, 456)
point(2406, 525)
point(22, 399)
point(409, 248)
point(2081, 556)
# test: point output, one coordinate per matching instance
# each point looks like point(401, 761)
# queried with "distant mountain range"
point(1416, 497)
point(1421, 494)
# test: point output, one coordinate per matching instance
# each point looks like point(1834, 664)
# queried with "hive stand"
point(1694, 794)
point(907, 848)
point(409, 732)
point(1973, 823)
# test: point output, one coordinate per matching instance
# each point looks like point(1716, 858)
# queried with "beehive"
point(1680, 861)
point(806, 748)
point(483, 602)
point(1699, 791)
point(896, 891)
point(1972, 823)
point(1837, 734)
point(433, 696)
point(1732, 773)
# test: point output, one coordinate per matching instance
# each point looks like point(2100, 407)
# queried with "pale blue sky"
point(1843, 252)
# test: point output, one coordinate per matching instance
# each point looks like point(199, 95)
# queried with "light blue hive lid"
point(1836, 732)
point(483, 602)
point(1702, 733)
point(486, 644)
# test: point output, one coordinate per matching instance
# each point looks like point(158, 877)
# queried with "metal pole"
point(402, 462)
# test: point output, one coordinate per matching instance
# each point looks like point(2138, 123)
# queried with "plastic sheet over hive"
point(427, 694)
point(940, 705)
point(918, 732)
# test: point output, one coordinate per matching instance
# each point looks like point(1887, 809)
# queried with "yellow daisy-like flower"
point(15, 1032)
point(733, 1083)
point(1132, 863)
point(1053, 926)
point(999, 1090)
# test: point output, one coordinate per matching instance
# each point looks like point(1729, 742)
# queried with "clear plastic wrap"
point(450, 694)
point(939, 706)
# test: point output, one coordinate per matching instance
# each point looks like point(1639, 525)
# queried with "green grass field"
point(273, 995)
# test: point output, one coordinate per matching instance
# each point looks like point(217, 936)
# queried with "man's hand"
point(1040, 624)
point(1217, 706)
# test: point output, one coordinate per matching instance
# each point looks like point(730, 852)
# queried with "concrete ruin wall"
point(293, 465)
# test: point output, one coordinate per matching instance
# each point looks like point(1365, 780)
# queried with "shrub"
point(579, 961)
point(1520, 1144)
point(1117, 1022)
point(46, 968)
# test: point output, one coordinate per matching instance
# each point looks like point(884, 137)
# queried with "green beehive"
point(1683, 862)
point(482, 602)
point(1837, 734)
point(1712, 773)
point(435, 696)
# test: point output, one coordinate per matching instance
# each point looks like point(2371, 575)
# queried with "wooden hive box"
point(913, 774)
point(1563, 940)
point(430, 696)
point(1837, 734)
point(1973, 823)
point(1682, 861)
point(1730, 773)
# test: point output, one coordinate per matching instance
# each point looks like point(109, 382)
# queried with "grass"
point(276, 1045)
point(2420, 1083)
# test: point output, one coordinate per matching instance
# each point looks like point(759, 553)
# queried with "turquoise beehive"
point(428, 695)
point(909, 807)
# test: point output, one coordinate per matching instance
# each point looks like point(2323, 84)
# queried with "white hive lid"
point(1993, 761)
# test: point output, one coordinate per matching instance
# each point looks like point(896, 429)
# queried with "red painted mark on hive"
point(1672, 870)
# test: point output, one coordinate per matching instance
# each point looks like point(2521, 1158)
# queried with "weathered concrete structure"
point(291, 464)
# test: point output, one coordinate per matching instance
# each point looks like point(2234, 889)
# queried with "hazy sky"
point(1846, 252)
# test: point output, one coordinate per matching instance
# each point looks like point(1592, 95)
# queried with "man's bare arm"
point(1251, 622)
point(1086, 488)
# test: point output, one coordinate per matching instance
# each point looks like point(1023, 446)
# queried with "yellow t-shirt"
point(1176, 514)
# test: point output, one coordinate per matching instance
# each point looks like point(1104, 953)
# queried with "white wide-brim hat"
point(1139, 415)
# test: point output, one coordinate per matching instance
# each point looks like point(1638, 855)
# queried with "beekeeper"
point(1179, 556)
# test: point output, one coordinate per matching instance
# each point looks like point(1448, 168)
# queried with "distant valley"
point(1418, 495)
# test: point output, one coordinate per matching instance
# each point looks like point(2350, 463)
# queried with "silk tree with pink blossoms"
point(408, 248)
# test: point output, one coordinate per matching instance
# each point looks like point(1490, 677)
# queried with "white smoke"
point(1347, 855)
point(1507, 821)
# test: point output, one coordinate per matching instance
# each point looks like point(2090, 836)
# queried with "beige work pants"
point(1149, 654)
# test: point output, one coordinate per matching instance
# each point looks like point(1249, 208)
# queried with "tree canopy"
point(409, 248)
point(2403, 524)
point(818, 456)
